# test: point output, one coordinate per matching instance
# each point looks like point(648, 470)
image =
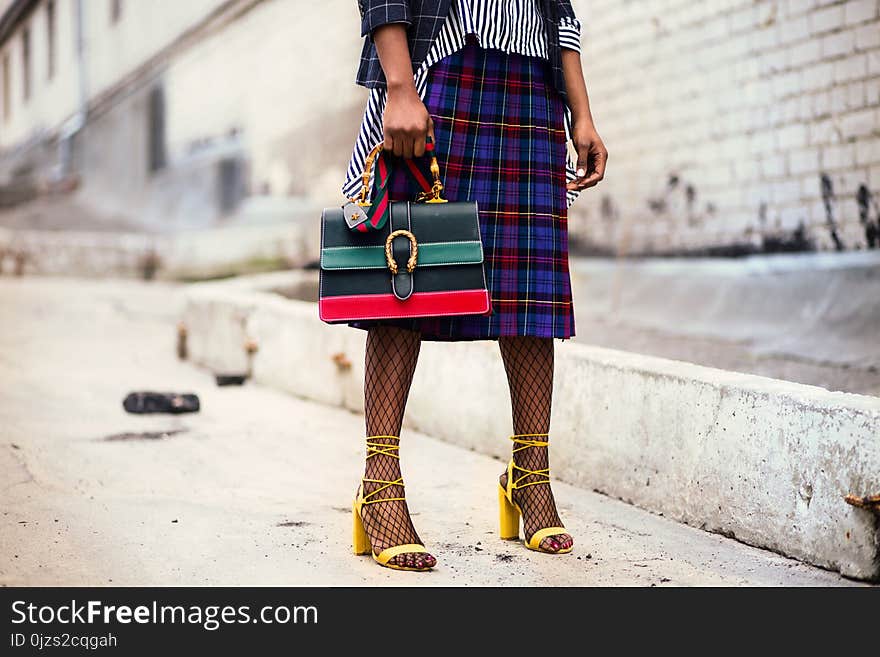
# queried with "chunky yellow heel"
point(360, 539)
point(508, 516)
point(509, 512)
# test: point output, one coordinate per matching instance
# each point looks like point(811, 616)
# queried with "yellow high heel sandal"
point(509, 512)
point(360, 540)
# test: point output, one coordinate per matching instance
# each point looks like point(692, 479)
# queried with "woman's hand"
point(592, 156)
point(406, 122)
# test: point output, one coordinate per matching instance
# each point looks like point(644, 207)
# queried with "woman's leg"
point(392, 354)
point(528, 362)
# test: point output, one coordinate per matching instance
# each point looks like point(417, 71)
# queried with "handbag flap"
point(446, 233)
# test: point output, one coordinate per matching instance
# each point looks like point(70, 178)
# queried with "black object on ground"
point(230, 379)
point(161, 402)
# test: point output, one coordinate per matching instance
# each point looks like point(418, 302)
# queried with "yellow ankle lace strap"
point(374, 449)
point(525, 441)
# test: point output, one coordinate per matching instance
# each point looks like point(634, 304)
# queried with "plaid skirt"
point(500, 141)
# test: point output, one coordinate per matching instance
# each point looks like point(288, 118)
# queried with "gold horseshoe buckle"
point(413, 251)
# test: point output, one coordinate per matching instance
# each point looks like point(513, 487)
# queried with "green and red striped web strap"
point(379, 209)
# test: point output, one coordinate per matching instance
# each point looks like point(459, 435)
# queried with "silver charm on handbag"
point(354, 214)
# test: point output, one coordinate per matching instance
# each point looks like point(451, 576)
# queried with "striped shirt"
point(512, 26)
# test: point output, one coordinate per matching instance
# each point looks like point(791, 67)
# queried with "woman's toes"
point(557, 542)
point(417, 560)
point(550, 544)
point(424, 561)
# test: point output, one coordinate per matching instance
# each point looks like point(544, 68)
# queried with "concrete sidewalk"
point(255, 489)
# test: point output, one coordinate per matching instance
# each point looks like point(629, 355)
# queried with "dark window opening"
point(115, 11)
point(50, 37)
point(7, 93)
point(26, 62)
point(156, 156)
point(231, 183)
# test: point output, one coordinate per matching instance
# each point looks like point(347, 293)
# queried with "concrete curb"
point(817, 307)
point(765, 461)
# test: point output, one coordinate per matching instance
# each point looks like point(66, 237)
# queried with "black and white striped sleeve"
point(570, 33)
point(376, 13)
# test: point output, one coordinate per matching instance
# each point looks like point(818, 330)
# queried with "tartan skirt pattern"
point(500, 141)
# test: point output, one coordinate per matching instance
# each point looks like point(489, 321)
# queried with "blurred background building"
point(734, 126)
point(167, 114)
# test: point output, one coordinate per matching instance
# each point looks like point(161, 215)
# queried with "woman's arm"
point(592, 154)
point(406, 122)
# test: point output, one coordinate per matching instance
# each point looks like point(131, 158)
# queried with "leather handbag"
point(401, 259)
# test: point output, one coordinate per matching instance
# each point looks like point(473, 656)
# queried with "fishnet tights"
point(528, 362)
point(391, 357)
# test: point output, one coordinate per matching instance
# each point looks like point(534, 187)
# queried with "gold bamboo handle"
point(365, 178)
point(431, 197)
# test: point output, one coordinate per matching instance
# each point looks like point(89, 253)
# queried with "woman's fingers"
point(410, 143)
point(407, 145)
point(592, 158)
point(419, 146)
point(406, 123)
point(420, 139)
point(576, 184)
point(400, 141)
point(577, 181)
point(403, 145)
point(583, 152)
point(597, 169)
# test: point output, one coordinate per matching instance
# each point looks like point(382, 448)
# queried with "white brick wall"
point(722, 117)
